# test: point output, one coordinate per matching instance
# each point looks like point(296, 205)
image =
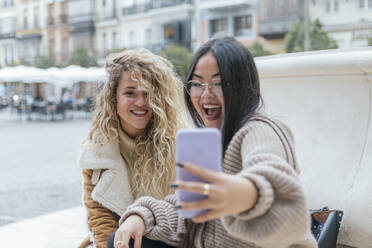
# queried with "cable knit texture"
point(262, 151)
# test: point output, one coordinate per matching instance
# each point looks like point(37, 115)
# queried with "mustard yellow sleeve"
point(102, 222)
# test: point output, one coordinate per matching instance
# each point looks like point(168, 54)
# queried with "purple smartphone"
point(201, 147)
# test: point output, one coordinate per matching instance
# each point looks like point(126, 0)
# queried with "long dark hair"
point(240, 84)
point(241, 93)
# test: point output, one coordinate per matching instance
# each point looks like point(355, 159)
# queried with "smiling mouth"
point(212, 111)
point(139, 113)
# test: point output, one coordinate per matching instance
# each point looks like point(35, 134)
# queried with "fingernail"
point(178, 206)
point(180, 165)
point(173, 185)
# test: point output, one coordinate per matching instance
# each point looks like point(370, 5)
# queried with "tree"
point(117, 50)
point(179, 56)
point(369, 39)
point(81, 56)
point(44, 62)
point(258, 50)
point(319, 38)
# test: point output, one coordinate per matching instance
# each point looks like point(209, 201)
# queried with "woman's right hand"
point(133, 227)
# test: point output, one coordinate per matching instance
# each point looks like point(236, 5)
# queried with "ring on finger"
point(206, 188)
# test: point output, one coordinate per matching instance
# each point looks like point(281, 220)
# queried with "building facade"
point(30, 30)
point(275, 21)
point(57, 31)
point(107, 28)
point(156, 23)
point(235, 18)
point(349, 22)
point(7, 32)
point(82, 28)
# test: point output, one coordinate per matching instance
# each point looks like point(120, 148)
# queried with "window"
point(25, 22)
point(218, 25)
point(104, 45)
point(114, 40)
point(332, 6)
point(50, 13)
point(52, 48)
point(63, 15)
point(65, 50)
point(132, 37)
point(36, 17)
point(365, 4)
point(328, 6)
point(243, 25)
point(7, 3)
point(6, 55)
point(168, 32)
point(148, 36)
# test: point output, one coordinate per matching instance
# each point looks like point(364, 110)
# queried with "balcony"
point(7, 35)
point(276, 27)
point(29, 34)
point(107, 16)
point(222, 5)
point(136, 9)
point(84, 22)
point(142, 8)
point(170, 3)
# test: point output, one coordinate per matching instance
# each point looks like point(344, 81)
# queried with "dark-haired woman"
point(258, 200)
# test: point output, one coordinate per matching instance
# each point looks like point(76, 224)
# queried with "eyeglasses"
point(195, 88)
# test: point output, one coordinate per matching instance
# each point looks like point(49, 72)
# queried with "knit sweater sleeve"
point(101, 221)
point(161, 219)
point(281, 209)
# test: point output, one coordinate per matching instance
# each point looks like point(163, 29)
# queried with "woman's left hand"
point(228, 194)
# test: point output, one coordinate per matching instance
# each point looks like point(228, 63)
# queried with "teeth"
point(139, 112)
point(211, 106)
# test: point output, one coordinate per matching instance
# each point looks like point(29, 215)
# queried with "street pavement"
point(38, 167)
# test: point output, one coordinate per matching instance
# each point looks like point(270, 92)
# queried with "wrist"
point(251, 193)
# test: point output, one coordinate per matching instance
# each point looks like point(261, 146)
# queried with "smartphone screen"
point(202, 147)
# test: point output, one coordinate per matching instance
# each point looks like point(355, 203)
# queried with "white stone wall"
point(325, 98)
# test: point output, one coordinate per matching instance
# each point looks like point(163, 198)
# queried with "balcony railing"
point(82, 18)
point(169, 3)
point(277, 25)
point(136, 9)
point(107, 17)
point(142, 8)
point(8, 35)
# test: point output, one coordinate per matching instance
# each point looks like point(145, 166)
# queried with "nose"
point(207, 92)
point(141, 100)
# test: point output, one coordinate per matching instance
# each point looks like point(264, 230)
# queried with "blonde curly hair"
point(155, 166)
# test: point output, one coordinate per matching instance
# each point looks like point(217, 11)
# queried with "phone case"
point(201, 147)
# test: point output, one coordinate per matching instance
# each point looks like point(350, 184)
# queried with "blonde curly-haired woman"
point(129, 151)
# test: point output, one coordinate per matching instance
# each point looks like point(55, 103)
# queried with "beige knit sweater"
point(262, 151)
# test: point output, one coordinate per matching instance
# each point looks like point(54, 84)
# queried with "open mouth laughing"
point(212, 111)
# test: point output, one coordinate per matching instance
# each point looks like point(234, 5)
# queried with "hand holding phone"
point(202, 147)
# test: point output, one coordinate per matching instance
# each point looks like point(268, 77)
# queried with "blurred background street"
point(38, 166)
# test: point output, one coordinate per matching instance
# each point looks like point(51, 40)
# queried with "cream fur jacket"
point(106, 189)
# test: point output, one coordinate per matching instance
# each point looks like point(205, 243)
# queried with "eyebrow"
point(198, 76)
point(128, 87)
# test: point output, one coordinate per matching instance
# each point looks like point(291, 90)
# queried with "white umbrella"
point(24, 74)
